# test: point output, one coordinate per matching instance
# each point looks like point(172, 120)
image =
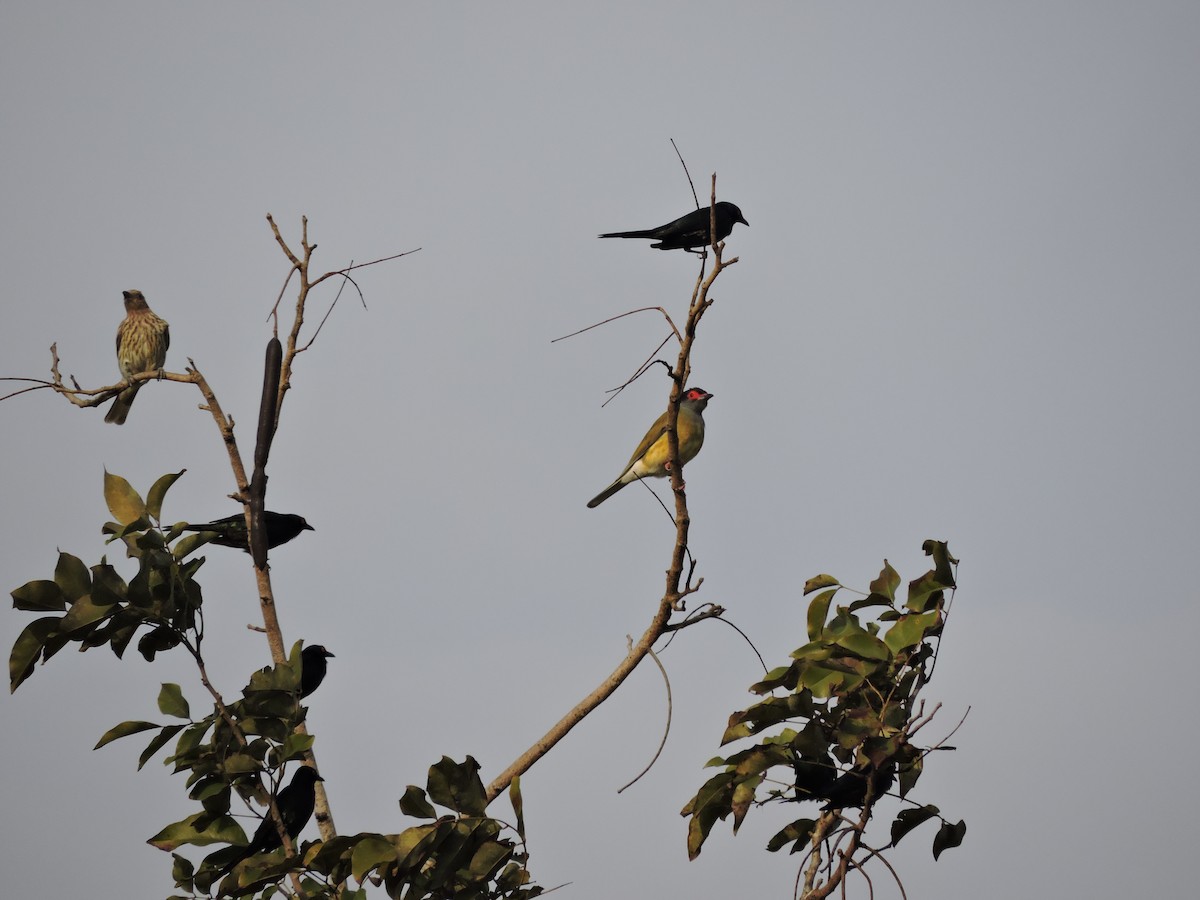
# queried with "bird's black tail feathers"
point(648, 233)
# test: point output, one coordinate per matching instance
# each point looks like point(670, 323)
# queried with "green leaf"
point(797, 834)
point(909, 775)
point(518, 804)
point(820, 581)
point(924, 593)
point(39, 596)
point(487, 859)
point(821, 681)
point(171, 702)
point(870, 600)
point(457, 787)
point(908, 819)
point(887, 582)
point(82, 614)
point(27, 647)
point(743, 796)
point(191, 543)
point(241, 764)
point(125, 729)
point(182, 868)
point(949, 836)
point(219, 830)
point(168, 732)
point(72, 576)
point(414, 804)
point(123, 501)
point(910, 630)
point(818, 611)
point(296, 745)
point(943, 562)
point(372, 851)
point(154, 499)
point(865, 645)
point(712, 802)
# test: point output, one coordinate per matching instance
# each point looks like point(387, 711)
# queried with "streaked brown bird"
point(652, 458)
point(142, 341)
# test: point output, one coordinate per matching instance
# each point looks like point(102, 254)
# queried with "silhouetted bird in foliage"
point(849, 790)
point(312, 668)
point(295, 803)
point(142, 341)
point(690, 231)
point(232, 532)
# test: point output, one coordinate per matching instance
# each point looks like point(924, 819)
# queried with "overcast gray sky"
point(965, 309)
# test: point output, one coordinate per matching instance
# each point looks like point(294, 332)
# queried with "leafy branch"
point(850, 705)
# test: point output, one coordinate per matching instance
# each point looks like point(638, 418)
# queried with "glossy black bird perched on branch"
point(232, 532)
point(312, 668)
point(849, 790)
point(295, 803)
point(690, 231)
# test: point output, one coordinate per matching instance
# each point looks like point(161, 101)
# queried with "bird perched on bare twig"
point(231, 531)
point(651, 459)
point(142, 341)
point(690, 231)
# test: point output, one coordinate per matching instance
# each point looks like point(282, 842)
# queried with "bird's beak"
point(744, 222)
point(308, 527)
point(330, 655)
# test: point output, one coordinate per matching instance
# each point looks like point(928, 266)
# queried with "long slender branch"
point(674, 591)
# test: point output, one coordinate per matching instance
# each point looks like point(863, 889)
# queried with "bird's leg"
point(678, 490)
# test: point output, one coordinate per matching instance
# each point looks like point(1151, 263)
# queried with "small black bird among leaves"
point(232, 532)
point(849, 790)
point(690, 231)
point(295, 803)
point(142, 341)
point(312, 668)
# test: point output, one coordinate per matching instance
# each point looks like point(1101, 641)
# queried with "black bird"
point(232, 532)
point(295, 803)
point(690, 231)
point(312, 668)
point(849, 789)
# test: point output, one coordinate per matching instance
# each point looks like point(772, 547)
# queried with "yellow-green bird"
point(651, 459)
point(142, 341)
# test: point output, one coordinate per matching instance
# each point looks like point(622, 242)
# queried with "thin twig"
point(691, 184)
point(883, 859)
point(666, 728)
point(336, 297)
point(649, 363)
point(621, 316)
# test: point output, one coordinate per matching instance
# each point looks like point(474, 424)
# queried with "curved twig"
point(667, 727)
point(631, 312)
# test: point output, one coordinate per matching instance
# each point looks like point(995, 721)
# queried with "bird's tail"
point(119, 411)
point(649, 233)
point(608, 491)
